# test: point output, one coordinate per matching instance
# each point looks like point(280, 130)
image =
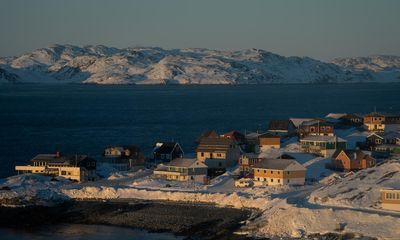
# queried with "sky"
point(319, 29)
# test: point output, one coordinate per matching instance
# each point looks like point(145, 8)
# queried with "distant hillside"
point(139, 65)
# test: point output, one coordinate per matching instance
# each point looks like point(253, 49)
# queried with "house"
point(206, 134)
point(166, 151)
point(75, 167)
point(390, 199)
point(282, 128)
point(218, 153)
point(316, 127)
point(252, 142)
point(348, 160)
point(267, 141)
point(182, 169)
point(298, 121)
point(374, 122)
point(279, 172)
point(124, 158)
point(352, 119)
point(375, 139)
point(238, 136)
point(322, 145)
point(247, 161)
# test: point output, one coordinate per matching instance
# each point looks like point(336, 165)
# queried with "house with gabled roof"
point(316, 127)
point(218, 153)
point(75, 167)
point(282, 128)
point(352, 119)
point(279, 172)
point(238, 136)
point(182, 169)
point(349, 160)
point(268, 140)
point(166, 151)
point(322, 145)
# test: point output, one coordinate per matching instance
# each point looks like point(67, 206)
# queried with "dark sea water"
point(81, 232)
point(86, 118)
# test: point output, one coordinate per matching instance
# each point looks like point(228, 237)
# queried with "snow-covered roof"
point(279, 164)
point(335, 115)
point(186, 162)
point(298, 121)
point(323, 139)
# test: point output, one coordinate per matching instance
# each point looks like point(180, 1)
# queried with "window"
point(258, 170)
point(288, 180)
point(63, 172)
point(265, 179)
point(258, 179)
point(288, 173)
point(202, 154)
point(211, 155)
point(265, 171)
point(272, 172)
point(279, 181)
point(272, 180)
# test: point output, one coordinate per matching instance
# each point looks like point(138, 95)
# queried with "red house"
point(347, 160)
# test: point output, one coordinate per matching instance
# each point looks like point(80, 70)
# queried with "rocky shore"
point(194, 221)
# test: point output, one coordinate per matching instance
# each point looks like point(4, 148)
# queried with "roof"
point(279, 125)
point(215, 144)
point(52, 158)
point(335, 115)
point(323, 139)
point(278, 164)
point(298, 121)
point(320, 122)
point(357, 155)
point(253, 135)
point(374, 114)
point(268, 135)
point(238, 136)
point(164, 147)
point(208, 133)
point(186, 162)
point(351, 115)
point(391, 135)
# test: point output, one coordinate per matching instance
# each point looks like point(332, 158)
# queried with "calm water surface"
point(86, 118)
point(82, 232)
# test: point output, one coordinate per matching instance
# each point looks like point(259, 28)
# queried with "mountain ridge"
point(99, 64)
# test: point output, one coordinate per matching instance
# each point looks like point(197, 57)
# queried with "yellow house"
point(279, 172)
point(182, 169)
point(74, 167)
point(218, 152)
point(374, 121)
point(390, 199)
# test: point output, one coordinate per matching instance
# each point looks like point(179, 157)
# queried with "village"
point(341, 160)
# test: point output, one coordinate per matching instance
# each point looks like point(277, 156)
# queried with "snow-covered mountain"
point(150, 65)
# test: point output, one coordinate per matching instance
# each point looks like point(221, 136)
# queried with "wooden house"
point(128, 157)
point(218, 153)
point(322, 145)
point(348, 160)
point(247, 161)
point(352, 119)
point(182, 169)
point(316, 127)
point(279, 172)
point(267, 141)
point(166, 151)
point(390, 199)
point(75, 167)
point(282, 128)
point(374, 122)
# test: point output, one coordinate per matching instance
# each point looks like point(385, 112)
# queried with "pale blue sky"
point(316, 28)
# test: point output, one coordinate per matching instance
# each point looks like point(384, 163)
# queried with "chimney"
point(58, 154)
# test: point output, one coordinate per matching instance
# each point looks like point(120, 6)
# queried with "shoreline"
point(191, 220)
